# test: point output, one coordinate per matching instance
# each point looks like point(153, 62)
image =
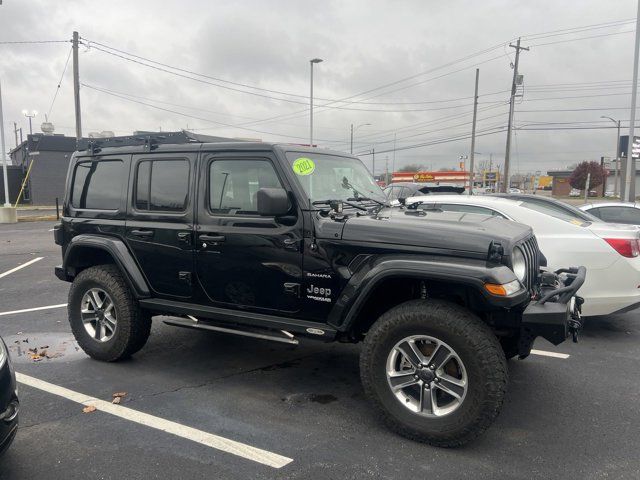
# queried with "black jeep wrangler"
point(281, 241)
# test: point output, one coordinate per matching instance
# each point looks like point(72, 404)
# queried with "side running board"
point(192, 322)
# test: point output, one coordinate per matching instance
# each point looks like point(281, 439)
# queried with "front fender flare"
point(470, 272)
point(120, 254)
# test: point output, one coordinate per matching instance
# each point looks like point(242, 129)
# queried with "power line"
point(567, 31)
point(208, 120)
point(581, 38)
point(55, 95)
point(28, 42)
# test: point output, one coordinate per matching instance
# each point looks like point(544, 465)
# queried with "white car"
point(611, 253)
point(615, 212)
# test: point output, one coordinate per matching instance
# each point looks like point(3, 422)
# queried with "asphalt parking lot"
point(205, 405)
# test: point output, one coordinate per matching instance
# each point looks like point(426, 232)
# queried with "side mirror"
point(272, 202)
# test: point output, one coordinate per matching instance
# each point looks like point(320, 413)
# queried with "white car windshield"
point(330, 177)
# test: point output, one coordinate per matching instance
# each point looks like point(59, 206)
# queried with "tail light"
point(627, 247)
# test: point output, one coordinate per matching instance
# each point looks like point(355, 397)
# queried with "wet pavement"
point(563, 418)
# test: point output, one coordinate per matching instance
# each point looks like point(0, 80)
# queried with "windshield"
point(323, 177)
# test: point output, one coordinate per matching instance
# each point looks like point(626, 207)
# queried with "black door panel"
point(159, 228)
point(244, 260)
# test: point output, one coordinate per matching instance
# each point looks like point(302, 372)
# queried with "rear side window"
point(454, 207)
point(233, 185)
point(98, 185)
point(627, 215)
point(162, 185)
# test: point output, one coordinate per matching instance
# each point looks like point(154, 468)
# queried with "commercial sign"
point(490, 176)
point(624, 146)
point(423, 177)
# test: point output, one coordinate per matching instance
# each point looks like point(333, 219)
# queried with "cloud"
point(364, 44)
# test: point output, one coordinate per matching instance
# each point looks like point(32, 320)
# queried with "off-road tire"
point(133, 324)
point(474, 343)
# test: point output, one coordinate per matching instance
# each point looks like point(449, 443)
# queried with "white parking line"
point(20, 266)
point(214, 441)
point(544, 353)
point(48, 307)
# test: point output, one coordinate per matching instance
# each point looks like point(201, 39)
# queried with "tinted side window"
point(98, 185)
point(595, 212)
point(392, 192)
point(628, 215)
point(162, 185)
point(554, 210)
point(233, 185)
point(452, 207)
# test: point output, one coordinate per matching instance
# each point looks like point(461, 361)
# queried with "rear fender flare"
point(120, 254)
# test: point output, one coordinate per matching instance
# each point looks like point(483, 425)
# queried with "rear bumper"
point(556, 314)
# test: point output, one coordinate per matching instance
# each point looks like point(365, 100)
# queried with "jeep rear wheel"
point(435, 371)
point(105, 318)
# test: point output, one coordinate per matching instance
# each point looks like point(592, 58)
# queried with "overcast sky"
point(365, 44)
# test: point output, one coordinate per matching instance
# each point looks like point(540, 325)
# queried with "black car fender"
point(119, 253)
point(461, 271)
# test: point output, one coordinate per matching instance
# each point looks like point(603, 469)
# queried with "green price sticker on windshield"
point(303, 166)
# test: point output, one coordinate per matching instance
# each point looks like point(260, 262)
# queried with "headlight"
point(3, 354)
point(519, 264)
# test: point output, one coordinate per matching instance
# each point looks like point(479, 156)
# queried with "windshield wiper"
point(345, 202)
point(359, 195)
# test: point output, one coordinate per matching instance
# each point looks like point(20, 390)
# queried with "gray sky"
point(365, 44)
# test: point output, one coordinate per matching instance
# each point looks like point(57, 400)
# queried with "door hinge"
point(292, 289)
point(185, 277)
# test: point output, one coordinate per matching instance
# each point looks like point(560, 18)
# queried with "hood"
point(440, 230)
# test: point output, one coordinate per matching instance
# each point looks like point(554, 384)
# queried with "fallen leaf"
point(89, 409)
point(119, 394)
point(116, 400)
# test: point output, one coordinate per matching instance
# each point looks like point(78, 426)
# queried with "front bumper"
point(556, 314)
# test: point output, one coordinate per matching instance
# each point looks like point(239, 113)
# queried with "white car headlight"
point(519, 264)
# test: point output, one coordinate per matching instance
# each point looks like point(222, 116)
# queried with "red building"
point(450, 177)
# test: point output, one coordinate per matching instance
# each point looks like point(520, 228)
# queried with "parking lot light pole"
point(311, 62)
point(30, 114)
point(354, 130)
point(8, 214)
point(617, 158)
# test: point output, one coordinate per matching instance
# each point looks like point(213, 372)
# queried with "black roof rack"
point(150, 140)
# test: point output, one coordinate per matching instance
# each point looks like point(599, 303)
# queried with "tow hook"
point(575, 322)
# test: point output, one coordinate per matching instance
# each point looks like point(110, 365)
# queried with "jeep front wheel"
point(435, 371)
point(105, 318)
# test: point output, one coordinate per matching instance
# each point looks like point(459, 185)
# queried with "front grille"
point(532, 258)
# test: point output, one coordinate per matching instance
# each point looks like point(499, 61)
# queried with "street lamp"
point(30, 114)
point(354, 130)
point(311, 62)
point(615, 182)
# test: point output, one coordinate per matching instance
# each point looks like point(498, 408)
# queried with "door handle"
point(184, 237)
point(212, 238)
point(291, 244)
point(142, 233)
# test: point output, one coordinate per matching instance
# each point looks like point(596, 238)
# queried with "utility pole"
point(4, 157)
point(386, 168)
point(311, 62)
point(351, 150)
point(76, 86)
point(514, 86)
point(629, 191)
point(373, 162)
point(473, 134)
point(393, 163)
point(15, 132)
